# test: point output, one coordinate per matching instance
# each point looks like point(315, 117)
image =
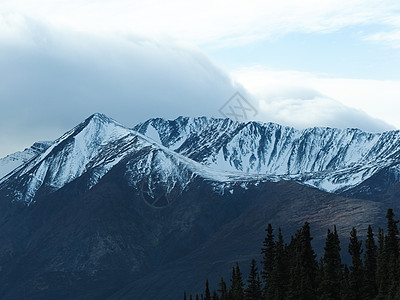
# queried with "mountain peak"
point(67, 158)
point(101, 118)
point(96, 125)
point(327, 158)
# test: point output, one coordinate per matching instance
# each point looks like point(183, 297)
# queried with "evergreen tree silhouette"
point(332, 280)
point(253, 290)
point(370, 262)
point(356, 277)
point(268, 257)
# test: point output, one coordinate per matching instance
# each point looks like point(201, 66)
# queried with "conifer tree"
point(303, 266)
point(268, 256)
point(392, 252)
point(236, 291)
point(336, 235)
point(392, 240)
point(253, 290)
point(320, 272)
point(190, 297)
point(233, 282)
point(370, 262)
point(184, 295)
point(356, 277)
point(207, 294)
point(331, 282)
point(294, 266)
point(223, 291)
point(240, 285)
point(382, 279)
point(345, 287)
point(278, 281)
point(308, 285)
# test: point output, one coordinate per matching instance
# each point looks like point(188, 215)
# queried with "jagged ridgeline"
point(349, 162)
point(293, 270)
point(112, 212)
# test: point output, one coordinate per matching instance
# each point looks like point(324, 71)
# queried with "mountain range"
point(111, 212)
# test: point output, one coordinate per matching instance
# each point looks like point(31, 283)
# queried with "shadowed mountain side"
point(285, 204)
point(89, 245)
point(383, 186)
point(73, 239)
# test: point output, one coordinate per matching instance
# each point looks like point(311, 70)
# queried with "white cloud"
point(389, 35)
point(390, 38)
point(52, 79)
point(201, 21)
point(53, 76)
point(303, 99)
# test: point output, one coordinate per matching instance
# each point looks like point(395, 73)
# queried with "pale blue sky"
point(342, 53)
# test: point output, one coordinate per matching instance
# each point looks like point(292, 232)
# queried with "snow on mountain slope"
point(94, 147)
point(158, 172)
point(13, 161)
point(65, 160)
point(162, 156)
point(327, 158)
point(150, 169)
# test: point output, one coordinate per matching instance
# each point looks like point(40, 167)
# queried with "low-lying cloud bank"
point(53, 78)
point(303, 100)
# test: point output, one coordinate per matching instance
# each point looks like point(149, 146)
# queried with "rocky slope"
point(13, 161)
point(222, 150)
point(330, 159)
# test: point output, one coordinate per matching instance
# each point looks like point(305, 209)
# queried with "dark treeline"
point(292, 271)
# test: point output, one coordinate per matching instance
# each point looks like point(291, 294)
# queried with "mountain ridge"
point(332, 160)
point(15, 160)
point(110, 212)
point(272, 149)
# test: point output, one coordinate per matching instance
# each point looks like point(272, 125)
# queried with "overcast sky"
point(299, 63)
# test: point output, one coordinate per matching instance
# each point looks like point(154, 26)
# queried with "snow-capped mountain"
point(13, 161)
point(110, 212)
point(327, 158)
point(65, 160)
point(93, 148)
point(98, 144)
point(170, 153)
